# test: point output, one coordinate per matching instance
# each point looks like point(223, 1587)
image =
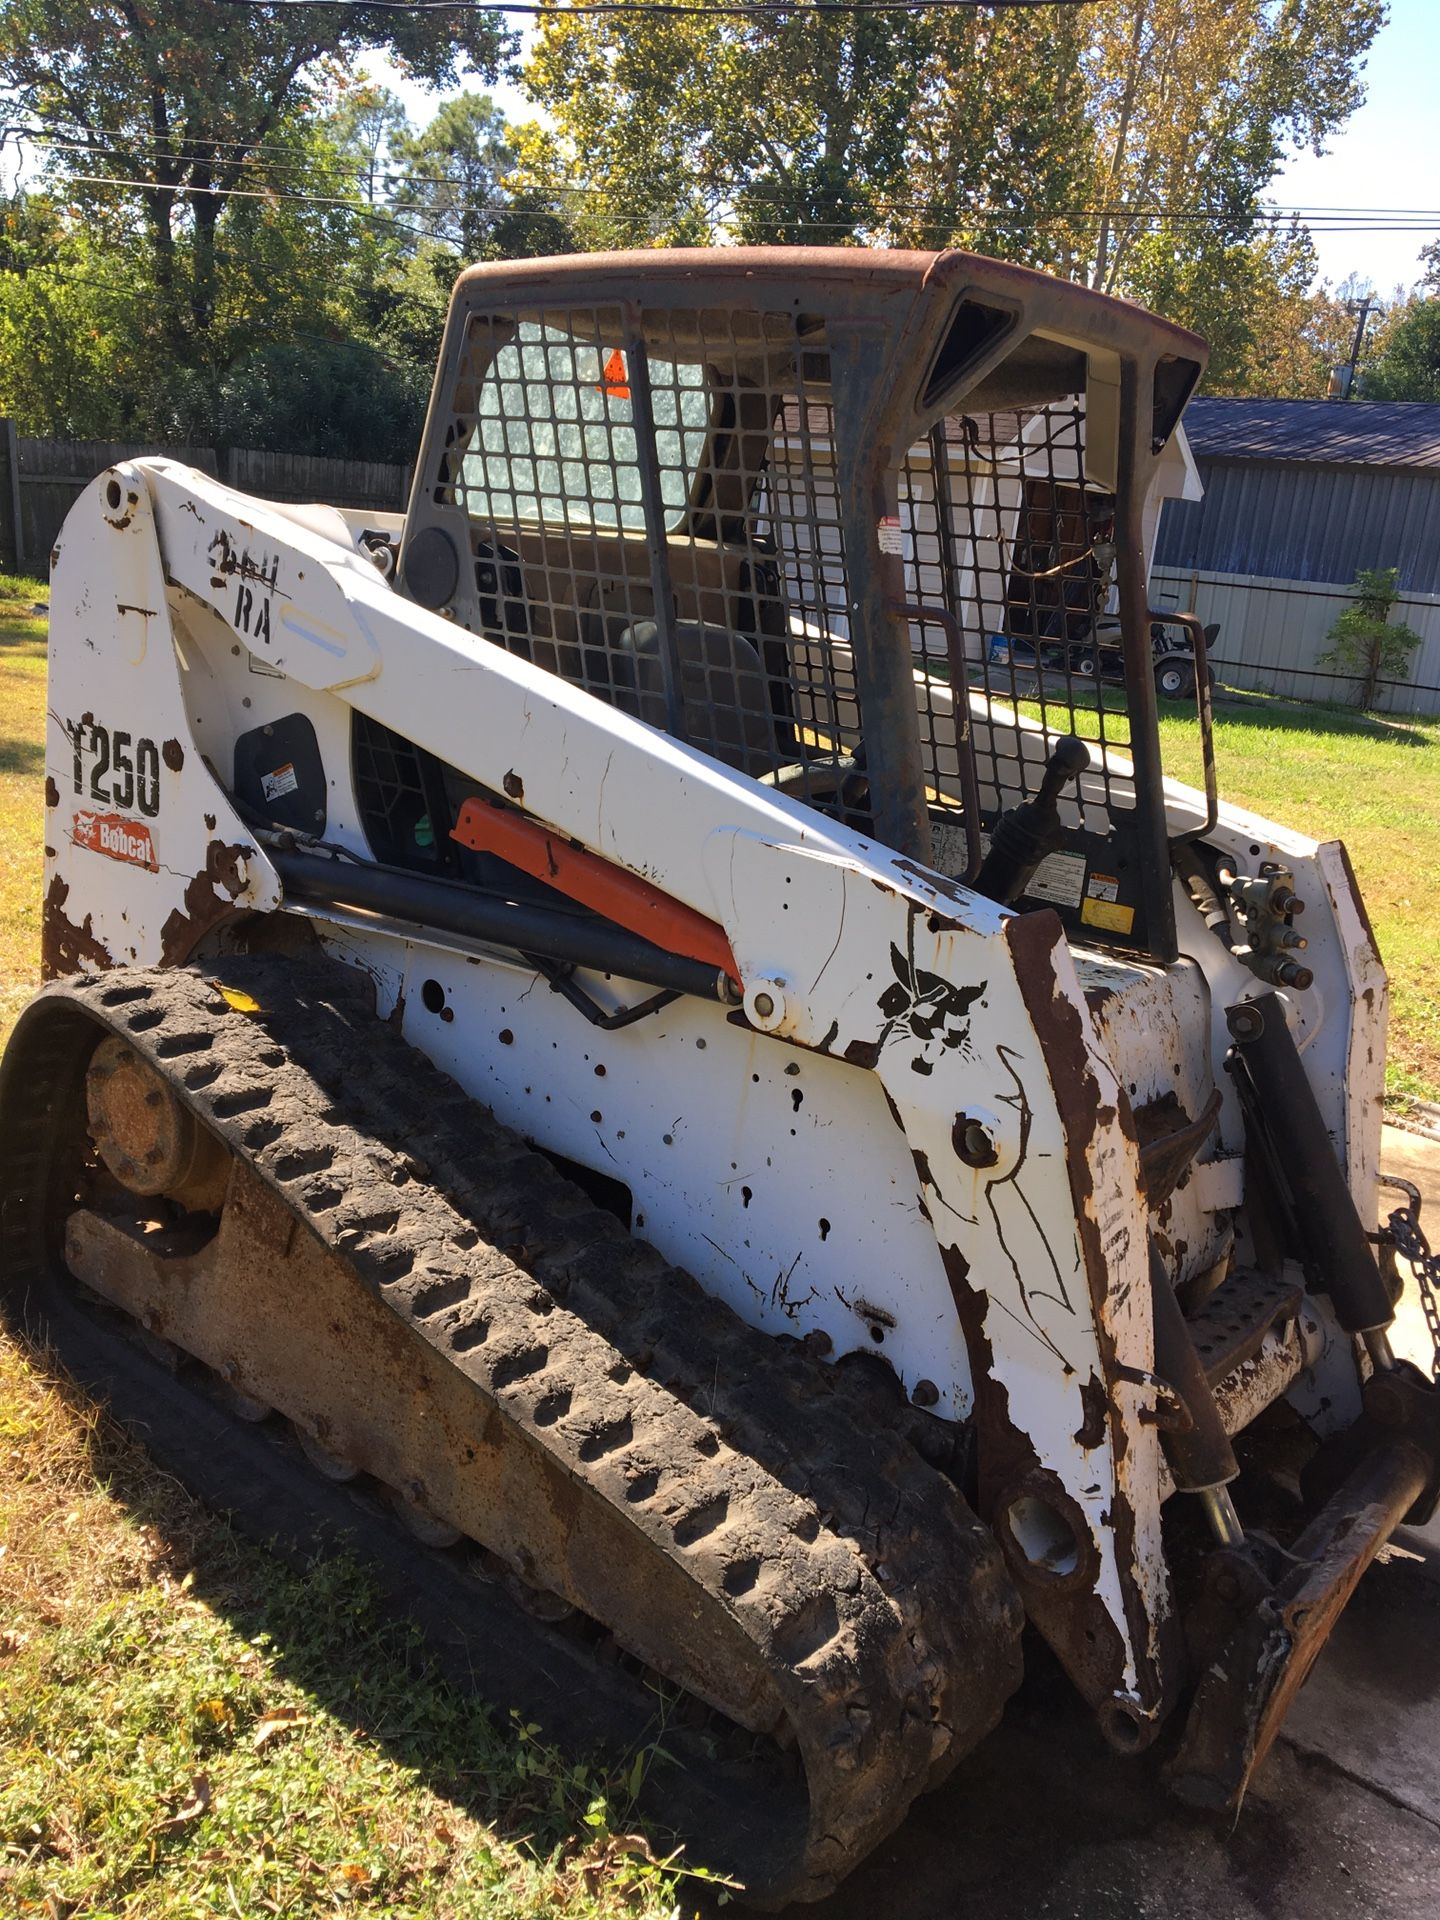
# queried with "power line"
point(122, 149)
point(1358, 219)
point(996, 215)
point(1336, 220)
point(722, 9)
point(253, 193)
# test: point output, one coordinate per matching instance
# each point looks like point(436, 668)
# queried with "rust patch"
point(52, 792)
point(209, 823)
point(120, 521)
point(1072, 1617)
point(209, 902)
point(1169, 1141)
point(937, 883)
point(1359, 899)
point(1091, 1661)
point(514, 785)
point(173, 754)
point(64, 946)
point(1094, 1405)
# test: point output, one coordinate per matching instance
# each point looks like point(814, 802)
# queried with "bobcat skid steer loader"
point(613, 1013)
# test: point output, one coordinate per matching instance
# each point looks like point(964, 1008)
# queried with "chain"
point(1408, 1238)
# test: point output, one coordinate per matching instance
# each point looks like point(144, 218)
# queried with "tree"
point(1271, 329)
point(1193, 105)
point(342, 398)
point(1116, 143)
point(447, 178)
point(367, 122)
point(71, 352)
point(1405, 363)
point(800, 127)
point(187, 99)
point(1365, 644)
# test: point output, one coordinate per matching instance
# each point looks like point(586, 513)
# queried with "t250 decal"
point(122, 771)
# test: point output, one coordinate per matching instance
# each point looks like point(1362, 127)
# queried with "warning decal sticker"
point(1060, 879)
point(1102, 906)
point(280, 781)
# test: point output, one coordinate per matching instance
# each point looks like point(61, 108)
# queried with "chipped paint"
point(65, 945)
point(211, 898)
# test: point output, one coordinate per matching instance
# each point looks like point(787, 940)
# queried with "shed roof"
point(1344, 433)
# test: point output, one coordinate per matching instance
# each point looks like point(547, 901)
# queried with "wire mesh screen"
point(654, 514)
point(581, 433)
point(1002, 530)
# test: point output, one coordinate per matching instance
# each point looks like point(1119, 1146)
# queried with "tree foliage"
point(1404, 363)
point(192, 102)
point(805, 128)
point(238, 233)
point(1365, 645)
point(1127, 143)
point(1194, 103)
point(68, 351)
point(448, 176)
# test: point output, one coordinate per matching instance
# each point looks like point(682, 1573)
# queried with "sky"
point(1385, 158)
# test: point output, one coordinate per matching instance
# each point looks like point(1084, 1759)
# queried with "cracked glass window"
point(554, 436)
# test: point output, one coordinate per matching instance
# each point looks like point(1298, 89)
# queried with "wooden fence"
point(40, 480)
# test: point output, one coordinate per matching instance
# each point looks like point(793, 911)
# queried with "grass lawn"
point(187, 1728)
point(1375, 784)
point(190, 1729)
point(22, 811)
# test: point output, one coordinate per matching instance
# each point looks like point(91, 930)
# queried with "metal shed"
point(1299, 495)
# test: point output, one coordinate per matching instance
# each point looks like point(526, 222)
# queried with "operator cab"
point(856, 524)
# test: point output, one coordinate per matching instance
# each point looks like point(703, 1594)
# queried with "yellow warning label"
point(1108, 914)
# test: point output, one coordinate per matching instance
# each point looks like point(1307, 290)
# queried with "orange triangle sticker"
point(614, 382)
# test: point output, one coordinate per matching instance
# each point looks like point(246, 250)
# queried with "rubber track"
point(875, 1604)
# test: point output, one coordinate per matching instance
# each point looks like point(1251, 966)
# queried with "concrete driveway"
point(1344, 1819)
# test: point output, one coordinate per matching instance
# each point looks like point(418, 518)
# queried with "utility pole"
point(1361, 310)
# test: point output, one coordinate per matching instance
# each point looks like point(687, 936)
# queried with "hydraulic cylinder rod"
point(1325, 1215)
point(524, 927)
